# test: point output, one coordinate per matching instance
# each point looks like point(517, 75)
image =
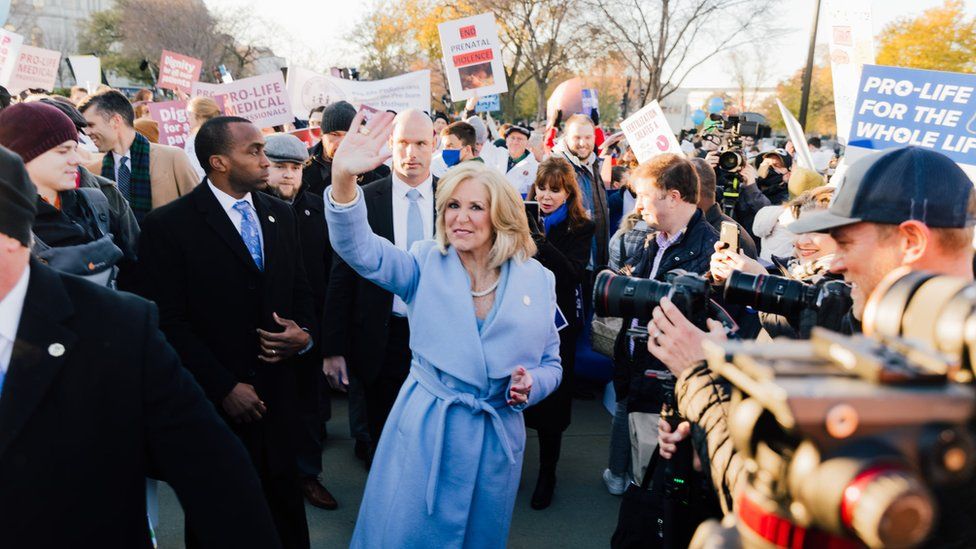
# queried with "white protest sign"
point(802, 155)
point(308, 89)
point(10, 43)
point(37, 68)
point(649, 134)
point(472, 57)
point(851, 47)
point(87, 70)
point(261, 99)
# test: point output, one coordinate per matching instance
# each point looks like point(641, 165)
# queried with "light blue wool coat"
point(449, 461)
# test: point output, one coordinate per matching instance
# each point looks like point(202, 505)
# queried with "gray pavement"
point(582, 515)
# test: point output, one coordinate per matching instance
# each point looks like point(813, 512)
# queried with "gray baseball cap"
point(284, 147)
point(894, 186)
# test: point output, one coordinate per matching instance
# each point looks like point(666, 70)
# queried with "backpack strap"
point(98, 203)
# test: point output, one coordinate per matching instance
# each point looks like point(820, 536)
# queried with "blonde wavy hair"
point(510, 228)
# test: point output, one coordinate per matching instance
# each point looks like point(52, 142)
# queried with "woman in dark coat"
point(562, 237)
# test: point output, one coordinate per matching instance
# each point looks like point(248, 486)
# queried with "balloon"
point(698, 116)
point(716, 105)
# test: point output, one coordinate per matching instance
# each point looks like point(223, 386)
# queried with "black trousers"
point(314, 409)
point(381, 393)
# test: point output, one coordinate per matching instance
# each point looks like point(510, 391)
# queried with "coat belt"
point(447, 397)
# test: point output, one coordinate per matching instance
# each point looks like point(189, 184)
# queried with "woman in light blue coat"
point(484, 345)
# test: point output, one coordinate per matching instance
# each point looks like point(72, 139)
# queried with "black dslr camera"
point(804, 305)
point(858, 441)
point(731, 156)
point(628, 297)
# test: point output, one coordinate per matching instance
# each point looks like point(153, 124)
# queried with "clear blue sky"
point(314, 32)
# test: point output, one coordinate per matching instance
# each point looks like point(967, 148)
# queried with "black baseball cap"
point(894, 186)
point(520, 129)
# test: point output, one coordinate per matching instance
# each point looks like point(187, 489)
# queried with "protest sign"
point(87, 70)
point(489, 103)
point(10, 43)
point(472, 57)
point(308, 89)
point(36, 68)
point(4, 11)
point(309, 136)
point(897, 107)
point(178, 72)
point(649, 134)
point(793, 128)
point(261, 99)
point(851, 47)
point(173, 121)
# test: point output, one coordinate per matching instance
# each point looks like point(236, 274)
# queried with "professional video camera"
point(731, 156)
point(846, 439)
point(805, 306)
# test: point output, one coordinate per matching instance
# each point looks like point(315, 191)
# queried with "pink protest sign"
point(37, 68)
point(178, 72)
point(10, 43)
point(261, 99)
point(174, 120)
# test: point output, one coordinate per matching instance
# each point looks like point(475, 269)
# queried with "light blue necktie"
point(249, 232)
point(2, 375)
point(415, 223)
point(124, 177)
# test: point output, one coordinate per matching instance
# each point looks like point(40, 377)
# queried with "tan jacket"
point(170, 173)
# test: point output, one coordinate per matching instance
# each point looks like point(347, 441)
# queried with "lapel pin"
point(308, 212)
point(55, 349)
point(526, 300)
point(271, 218)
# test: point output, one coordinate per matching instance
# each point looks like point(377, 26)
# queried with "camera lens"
point(730, 161)
point(626, 297)
point(768, 293)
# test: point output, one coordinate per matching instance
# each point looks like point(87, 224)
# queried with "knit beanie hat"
point(802, 179)
point(17, 198)
point(32, 129)
point(337, 117)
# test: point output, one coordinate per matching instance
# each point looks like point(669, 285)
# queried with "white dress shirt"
point(11, 307)
point(227, 203)
point(118, 162)
point(401, 206)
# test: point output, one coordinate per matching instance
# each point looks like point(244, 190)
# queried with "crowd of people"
point(436, 268)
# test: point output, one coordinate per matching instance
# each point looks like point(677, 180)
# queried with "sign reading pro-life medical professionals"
point(473, 57)
point(933, 109)
point(261, 99)
point(649, 134)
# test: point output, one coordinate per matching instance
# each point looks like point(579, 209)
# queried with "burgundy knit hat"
point(32, 129)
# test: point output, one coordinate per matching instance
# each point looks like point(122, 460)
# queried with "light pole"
point(808, 72)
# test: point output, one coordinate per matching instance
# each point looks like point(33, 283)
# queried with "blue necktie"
point(415, 223)
point(124, 177)
point(249, 232)
point(2, 375)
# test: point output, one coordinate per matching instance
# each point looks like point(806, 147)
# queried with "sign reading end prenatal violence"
point(261, 99)
point(897, 107)
point(649, 133)
point(178, 72)
point(472, 57)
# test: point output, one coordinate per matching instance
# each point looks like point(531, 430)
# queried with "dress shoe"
point(542, 497)
point(318, 495)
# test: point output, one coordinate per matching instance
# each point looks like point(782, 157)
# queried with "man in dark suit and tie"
point(224, 264)
point(92, 400)
point(365, 325)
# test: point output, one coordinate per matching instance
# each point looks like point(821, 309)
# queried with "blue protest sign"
point(4, 11)
point(897, 107)
point(488, 103)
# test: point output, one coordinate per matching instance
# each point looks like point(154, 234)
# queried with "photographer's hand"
point(668, 441)
point(675, 341)
point(725, 261)
point(712, 159)
point(749, 174)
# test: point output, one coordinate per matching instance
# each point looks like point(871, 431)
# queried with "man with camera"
point(908, 207)
point(667, 199)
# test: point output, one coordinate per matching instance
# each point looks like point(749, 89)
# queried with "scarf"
point(556, 217)
point(513, 161)
point(140, 191)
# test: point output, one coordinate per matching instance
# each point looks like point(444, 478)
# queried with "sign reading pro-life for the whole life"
point(473, 57)
point(897, 107)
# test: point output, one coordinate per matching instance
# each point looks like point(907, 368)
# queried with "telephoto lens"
point(731, 161)
point(628, 297)
point(770, 294)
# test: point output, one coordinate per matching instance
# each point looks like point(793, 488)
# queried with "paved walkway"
point(582, 515)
